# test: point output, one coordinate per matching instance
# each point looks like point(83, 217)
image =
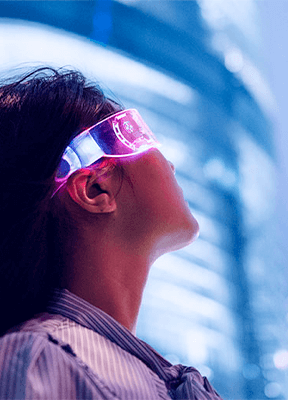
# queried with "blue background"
point(199, 73)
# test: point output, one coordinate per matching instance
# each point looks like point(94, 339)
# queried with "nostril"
point(172, 167)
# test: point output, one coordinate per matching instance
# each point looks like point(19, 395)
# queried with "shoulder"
point(36, 365)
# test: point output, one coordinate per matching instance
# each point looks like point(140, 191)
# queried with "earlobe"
point(81, 188)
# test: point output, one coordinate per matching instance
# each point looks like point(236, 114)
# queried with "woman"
point(88, 203)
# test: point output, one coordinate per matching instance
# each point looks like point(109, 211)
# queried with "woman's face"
point(153, 203)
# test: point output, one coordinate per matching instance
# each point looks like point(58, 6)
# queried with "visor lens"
point(120, 135)
point(123, 133)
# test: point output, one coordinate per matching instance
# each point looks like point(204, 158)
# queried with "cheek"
point(162, 199)
point(170, 208)
point(155, 188)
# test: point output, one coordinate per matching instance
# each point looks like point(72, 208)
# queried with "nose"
point(172, 167)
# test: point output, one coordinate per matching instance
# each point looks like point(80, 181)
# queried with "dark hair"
point(39, 115)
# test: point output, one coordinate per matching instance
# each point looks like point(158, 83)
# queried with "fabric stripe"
point(65, 303)
point(127, 375)
point(35, 369)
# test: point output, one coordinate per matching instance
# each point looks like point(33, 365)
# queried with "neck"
point(108, 276)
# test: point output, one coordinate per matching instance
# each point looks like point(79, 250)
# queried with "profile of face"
point(147, 213)
point(153, 203)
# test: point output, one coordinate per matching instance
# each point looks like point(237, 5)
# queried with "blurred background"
point(209, 78)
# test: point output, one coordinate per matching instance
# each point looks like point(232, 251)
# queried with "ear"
point(84, 188)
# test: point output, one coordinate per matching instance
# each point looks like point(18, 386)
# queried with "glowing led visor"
point(121, 135)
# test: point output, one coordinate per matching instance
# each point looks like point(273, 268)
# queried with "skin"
point(121, 226)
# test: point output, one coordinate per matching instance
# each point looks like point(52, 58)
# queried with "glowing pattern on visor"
point(121, 135)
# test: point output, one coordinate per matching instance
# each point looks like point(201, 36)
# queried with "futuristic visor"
point(121, 135)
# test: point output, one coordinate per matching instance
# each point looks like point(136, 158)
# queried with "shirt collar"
point(182, 382)
point(71, 306)
point(80, 311)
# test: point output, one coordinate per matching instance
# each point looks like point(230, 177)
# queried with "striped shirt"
point(76, 351)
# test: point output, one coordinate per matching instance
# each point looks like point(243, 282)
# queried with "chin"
point(185, 237)
point(187, 233)
point(194, 231)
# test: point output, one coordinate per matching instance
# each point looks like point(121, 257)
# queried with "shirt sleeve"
point(36, 366)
